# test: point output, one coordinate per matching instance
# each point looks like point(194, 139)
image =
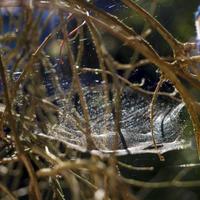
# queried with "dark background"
point(177, 16)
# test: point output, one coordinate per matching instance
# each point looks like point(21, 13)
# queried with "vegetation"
point(44, 43)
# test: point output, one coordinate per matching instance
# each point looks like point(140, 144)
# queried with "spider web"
point(135, 123)
point(135, 120)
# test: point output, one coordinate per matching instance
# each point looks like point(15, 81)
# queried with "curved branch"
point(175, 44)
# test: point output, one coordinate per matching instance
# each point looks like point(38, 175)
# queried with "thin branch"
point(95, 34)
point(134, 168)
point(151, 108)
point(164, 184)
point(134, 86)
point(79, 90)
point(9, 160)
point(7, 191)
point(175, 44)
point(19, 146)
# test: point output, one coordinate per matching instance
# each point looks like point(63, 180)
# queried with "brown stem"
point(19, 147)
point(175, 44)
point(79, 90)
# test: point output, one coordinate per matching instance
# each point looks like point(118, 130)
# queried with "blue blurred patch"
point(52, 24)
point(108, 5)
point(16, 12)
point(197, 13)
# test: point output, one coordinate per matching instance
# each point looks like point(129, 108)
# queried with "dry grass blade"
point(75, 122)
